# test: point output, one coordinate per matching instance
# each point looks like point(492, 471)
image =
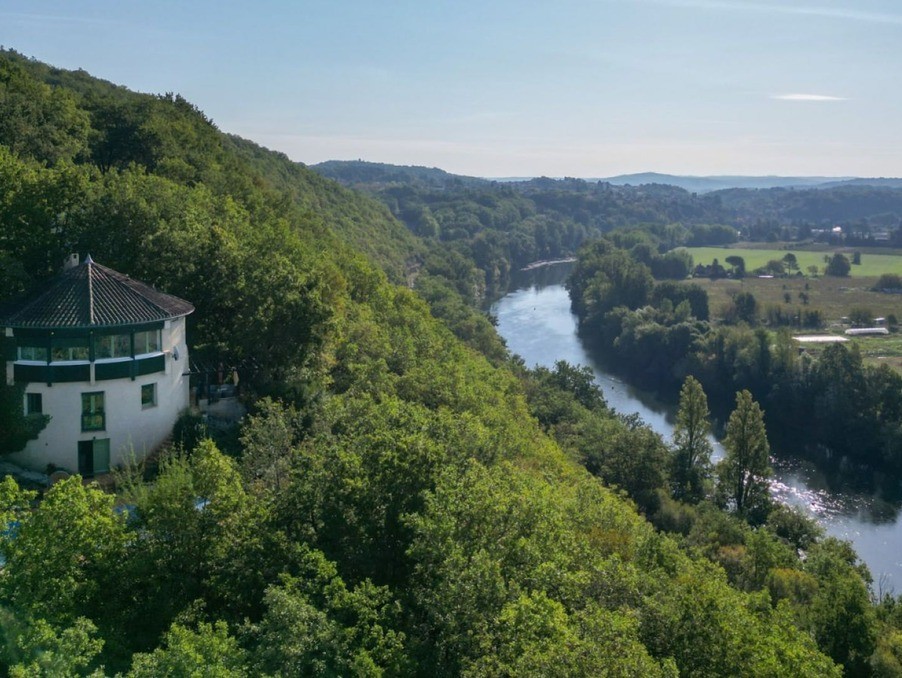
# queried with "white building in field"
point(106, 358)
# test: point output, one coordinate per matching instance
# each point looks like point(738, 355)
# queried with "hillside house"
point(106, 358)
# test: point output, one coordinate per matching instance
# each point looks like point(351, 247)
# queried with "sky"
point(510, 88)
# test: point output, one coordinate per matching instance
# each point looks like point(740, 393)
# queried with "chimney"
point(71, 261)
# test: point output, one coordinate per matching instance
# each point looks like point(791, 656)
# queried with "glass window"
point(34, 403)
point(64, 353)
point(92, 412)
point(112, 346)
point(147, 342)
point(33, 353)
point(148, 395)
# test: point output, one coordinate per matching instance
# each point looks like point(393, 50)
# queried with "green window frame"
point(93, 415)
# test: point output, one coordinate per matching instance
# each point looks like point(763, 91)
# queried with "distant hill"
point(361, 172)
point(717, 183)
point(875, 183)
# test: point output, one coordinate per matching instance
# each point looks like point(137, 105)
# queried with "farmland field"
point(872, 265)
point(834, 297)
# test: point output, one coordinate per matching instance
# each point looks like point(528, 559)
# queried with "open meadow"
point(872, 264)
point(836, 298)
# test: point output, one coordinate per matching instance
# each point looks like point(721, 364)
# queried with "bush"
point(861, 316)
point(888, 282)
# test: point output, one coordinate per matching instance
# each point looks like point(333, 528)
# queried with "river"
point(537, 324)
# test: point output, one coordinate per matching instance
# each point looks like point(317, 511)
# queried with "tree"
point(744, 308)
point(838, 266)
point(743, 472)
point(61, 550)
point(692, 449)
point(790, 261)
point(738, 264)
point(16, 427)
point(209, 651)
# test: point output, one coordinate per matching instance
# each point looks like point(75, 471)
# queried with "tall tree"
point(742, 474)
point(692, 449)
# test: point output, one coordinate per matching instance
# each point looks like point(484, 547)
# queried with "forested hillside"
point(397, 502)
point(503, 226)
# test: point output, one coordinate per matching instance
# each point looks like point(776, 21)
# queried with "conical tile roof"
point(91, 295)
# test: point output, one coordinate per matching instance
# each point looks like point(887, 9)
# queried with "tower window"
point(93, 417)
point(148, 395)
point(34, 403)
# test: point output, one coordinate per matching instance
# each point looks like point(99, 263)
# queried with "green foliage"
point(37, 120)
point(862, 316)
point(838, 266)
point(743, 309)
point(401, 504)
point(691, 461)
point(42, 651)
point(743, 472)
point(16, 427)
point(315, 625)
point(61, 552)
point(209, 652)
point(889, 281)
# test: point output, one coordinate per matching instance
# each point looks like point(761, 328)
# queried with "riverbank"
point(547, 262)
point(537, 324)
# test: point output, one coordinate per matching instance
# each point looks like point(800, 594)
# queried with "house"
point(106, 358)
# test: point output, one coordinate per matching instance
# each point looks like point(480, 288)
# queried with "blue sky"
point(565, 88)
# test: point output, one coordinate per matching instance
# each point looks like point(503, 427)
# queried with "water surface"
point(537, 324)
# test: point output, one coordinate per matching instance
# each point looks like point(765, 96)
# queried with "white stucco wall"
point(133, 430)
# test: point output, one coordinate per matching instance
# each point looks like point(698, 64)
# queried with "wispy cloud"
point(807, 97)
point(803, 10)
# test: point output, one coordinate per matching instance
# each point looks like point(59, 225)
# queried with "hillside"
point(356, 173)
point(396, 503)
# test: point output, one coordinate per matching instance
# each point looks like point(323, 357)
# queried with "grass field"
point(872, 265)
point(835, 297)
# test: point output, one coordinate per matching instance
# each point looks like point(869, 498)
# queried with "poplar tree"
point(743, 472)
point(692, 447)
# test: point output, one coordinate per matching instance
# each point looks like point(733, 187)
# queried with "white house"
point(106, 358)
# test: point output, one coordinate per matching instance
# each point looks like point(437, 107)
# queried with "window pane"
point(148, 395)
point(33, 353)
point(64, 353)
point(147, 342)
point(103, 347)
point(34, 403)
point(112, 346)
point(122, 346)
point(92, 412)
